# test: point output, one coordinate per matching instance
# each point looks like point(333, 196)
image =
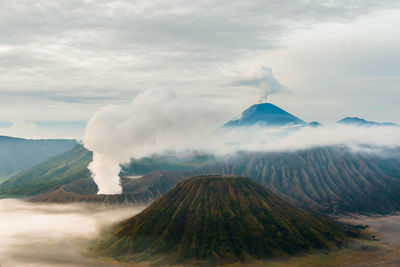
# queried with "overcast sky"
point(60, 61)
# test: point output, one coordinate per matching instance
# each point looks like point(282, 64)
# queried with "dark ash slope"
point(327, 179)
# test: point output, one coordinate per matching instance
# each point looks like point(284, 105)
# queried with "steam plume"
point(156, 121)
point(265, 81)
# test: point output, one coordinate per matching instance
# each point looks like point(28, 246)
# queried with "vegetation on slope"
point(70, 169)
point(325, 179)
point(49, 175)
point(219, 220)
point(17, 154)
point(166, 163)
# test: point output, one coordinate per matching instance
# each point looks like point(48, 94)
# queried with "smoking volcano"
point(265, 114)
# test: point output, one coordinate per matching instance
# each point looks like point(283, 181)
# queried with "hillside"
point(62, 196)
point(217, 220)
point(70, 170)
point(265, 114)
point(49, 175)
point(17, 154)
point(143, 190)
point(326, 179)
point(166, 163)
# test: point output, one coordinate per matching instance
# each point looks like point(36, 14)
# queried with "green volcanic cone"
point(215, 219)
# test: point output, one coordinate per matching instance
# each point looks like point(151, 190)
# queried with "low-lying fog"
point(52, 235)
point(44, 235)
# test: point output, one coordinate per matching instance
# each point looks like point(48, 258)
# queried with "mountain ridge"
point(19, 154)
point(326, 179)
point(356, 121)
point(49, 175)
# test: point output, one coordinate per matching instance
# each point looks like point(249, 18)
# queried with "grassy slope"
point(219, 220)
point(17, 154)
point(49, 175)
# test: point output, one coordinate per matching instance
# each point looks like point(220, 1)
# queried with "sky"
point(61, 61)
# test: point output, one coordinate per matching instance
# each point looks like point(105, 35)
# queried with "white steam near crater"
point(158, 121)
point(155, 121)
point(265, 81)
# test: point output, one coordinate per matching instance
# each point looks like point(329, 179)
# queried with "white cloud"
point(21, 129)
point(291, 139)
point(158, 121)
point(84, 54)
point(43, 235)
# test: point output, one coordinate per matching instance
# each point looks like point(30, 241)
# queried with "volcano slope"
point(325, 179)
point(218, 220)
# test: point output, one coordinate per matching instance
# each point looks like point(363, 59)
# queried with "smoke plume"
point(265, 81)
point(156, 121)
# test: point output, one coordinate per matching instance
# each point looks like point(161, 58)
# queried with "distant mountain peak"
point(265, 114)
point(314, 124)
point(362, 122)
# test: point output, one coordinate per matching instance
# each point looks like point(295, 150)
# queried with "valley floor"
point(385, 251)
point(48, 235)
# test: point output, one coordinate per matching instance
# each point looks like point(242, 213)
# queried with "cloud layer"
point(43, 235)
point(68, 58)
point(158, 121)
